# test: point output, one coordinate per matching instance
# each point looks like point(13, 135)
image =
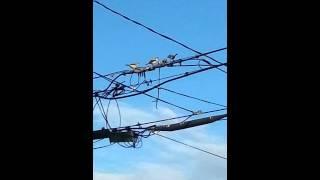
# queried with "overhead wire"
point(169, 119)
point(192, 97)
point(103, 146)
point(97, 140)
point(146, 95)
point(146, 90)
point(213, 154)
point(195, 57)
point(162, 35)
point(102, 111)
point(118, 111)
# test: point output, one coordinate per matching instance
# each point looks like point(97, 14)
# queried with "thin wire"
point(118, 111)
point(95, 104)
point(169, 119)
point(151, 80)
point(190, 65)
point(111, 74)
point(162, 35)
point(97, 140)
point(104, 115)
point(146, 90)
point(108, 112)
point(191, 146)
point(158, 88)
point(168, 102)
point(101, 111)
point(195, 57)
point(187, 118)
point(184, 59)
point(141, 92)
point(103, 146)
point(193, 97)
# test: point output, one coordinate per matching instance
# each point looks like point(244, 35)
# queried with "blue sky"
point(203, 26)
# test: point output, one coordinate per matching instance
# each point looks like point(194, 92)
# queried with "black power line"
point(192, 97)
point(118, 111)
point(105, 117)
point(191, 146)
point(97, 140)
point(123, 73)
point(169, 119)
point(103, 146)
point(141, 92)
point(146, 90)
point(162, 35)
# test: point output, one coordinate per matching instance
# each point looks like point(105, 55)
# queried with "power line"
point(146, 90)
point(108, 112)
point(195, 57)
point(167, 77)
point(191, 146)
point(162, 35)
point(97, 140)
point(95, 105)
point(168, 119)
point(118, 111)
point(102, 111)
point(192, 97)
point(142, 92)
point(103, 146)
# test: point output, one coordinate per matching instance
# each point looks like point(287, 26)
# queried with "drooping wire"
point(95, 104)
point(162, 35)
point(108, 111)
point(216, 155)
point(105, 114)
point(192, 97)
point(102, 112)
point(167, 77)
point(118, 111)
point(146, 95)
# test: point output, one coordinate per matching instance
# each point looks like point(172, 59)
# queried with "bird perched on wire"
point(153, 61)
point(171, 56)
point(133, 66)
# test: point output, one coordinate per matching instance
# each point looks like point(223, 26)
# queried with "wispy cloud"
point(131, 115)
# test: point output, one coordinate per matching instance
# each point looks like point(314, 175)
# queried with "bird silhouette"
point(133, 66)
point(171, 56)
point(153, 61)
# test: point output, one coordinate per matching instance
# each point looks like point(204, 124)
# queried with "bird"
point(118, 90)
point(133, 66)
point(153, 61)
point(171, 56)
